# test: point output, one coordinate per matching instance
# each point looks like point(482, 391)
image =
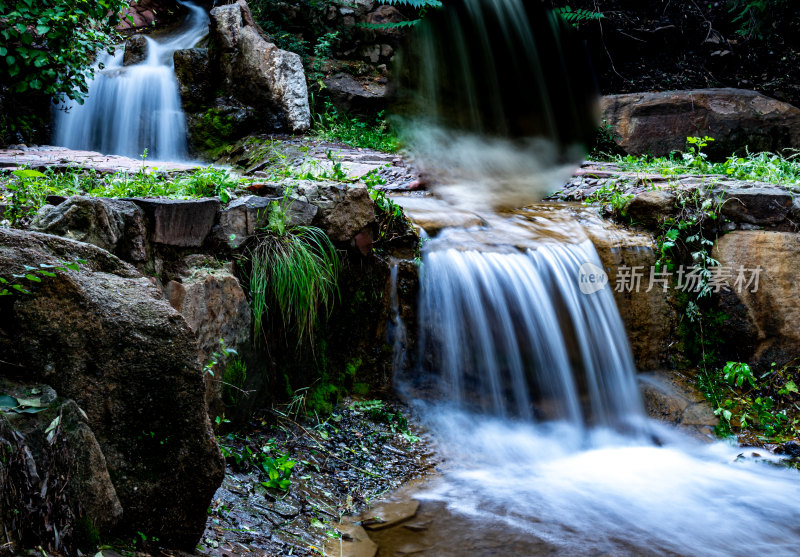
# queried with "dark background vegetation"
point(685, 44)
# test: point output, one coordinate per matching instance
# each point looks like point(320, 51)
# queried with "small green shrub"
point(763, 167)
point(755, 17)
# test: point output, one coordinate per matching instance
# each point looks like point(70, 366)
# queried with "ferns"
point(421, 5)
point(576, 17)
point(295, 270)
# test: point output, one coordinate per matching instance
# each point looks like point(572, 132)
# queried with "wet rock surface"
point(341, 466)
point(764, 320)
point(106, 338)
point(135, 50)
point(53, 475)
point(746, 204)
point(673, 398)
point(115, 225)
point(46, 156)
point(194, 77)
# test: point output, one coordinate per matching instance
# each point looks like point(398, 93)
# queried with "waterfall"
point(132, 108)
point(524, 378)
point(506, 331)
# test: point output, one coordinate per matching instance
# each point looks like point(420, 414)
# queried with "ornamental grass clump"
point(294, 275)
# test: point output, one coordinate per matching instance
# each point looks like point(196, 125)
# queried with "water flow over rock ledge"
point(130, 108)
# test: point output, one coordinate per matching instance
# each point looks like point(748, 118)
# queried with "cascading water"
point(132, 108)
point(506, 328)
point(525, 380)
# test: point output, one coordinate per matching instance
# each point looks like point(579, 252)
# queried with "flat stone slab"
point(389, 513)
point(179, 222)
point(60, 157)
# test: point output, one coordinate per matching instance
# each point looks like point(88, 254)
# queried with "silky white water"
point(529, 390)
point(132, 108)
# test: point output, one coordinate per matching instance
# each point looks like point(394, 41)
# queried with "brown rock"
point(178, 222)
point(762, 326)
point(673, 398)
point(659, 123)
point(759, 206)
point(104, 337)
point(358, 97)
point(651, 207)
point(114, 225)
point(649, 318)
point(389, 513)
point(354, 211)
point(354, 543)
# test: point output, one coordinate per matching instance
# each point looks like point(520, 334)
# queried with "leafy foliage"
point(764, 166)
point(755, 17)
point(27, 189)
point(33, 275)
point(611, 194)
point(747, 401)
point(48, 45)
point(333, 125)
point(578, 16)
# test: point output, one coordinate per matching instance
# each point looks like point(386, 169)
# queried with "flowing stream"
point(525, 381)
point(132, 108)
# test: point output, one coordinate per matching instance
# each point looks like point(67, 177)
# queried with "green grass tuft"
point(295, 270)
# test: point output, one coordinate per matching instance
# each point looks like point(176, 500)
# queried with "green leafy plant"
point(279, 472)
point(764, 166)
point(219, 358)
point(32, 275)
point(745, 401)
point(20, 197)
point(611, 194)
point(323, 50)
point(233, 381)
point(577, 16)
point(374, 133)
point(47, 46)
point(19, 405)
point(295, 270)
point(755, 17)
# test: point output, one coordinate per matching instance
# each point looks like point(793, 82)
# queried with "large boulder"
point(256, 72)
point(659, 123)
point(105, 337)
point(53, 473)
point(763, 310)
point(194, 76)
point(114, 225)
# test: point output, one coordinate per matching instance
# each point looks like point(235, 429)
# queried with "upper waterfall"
point(132, 108)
